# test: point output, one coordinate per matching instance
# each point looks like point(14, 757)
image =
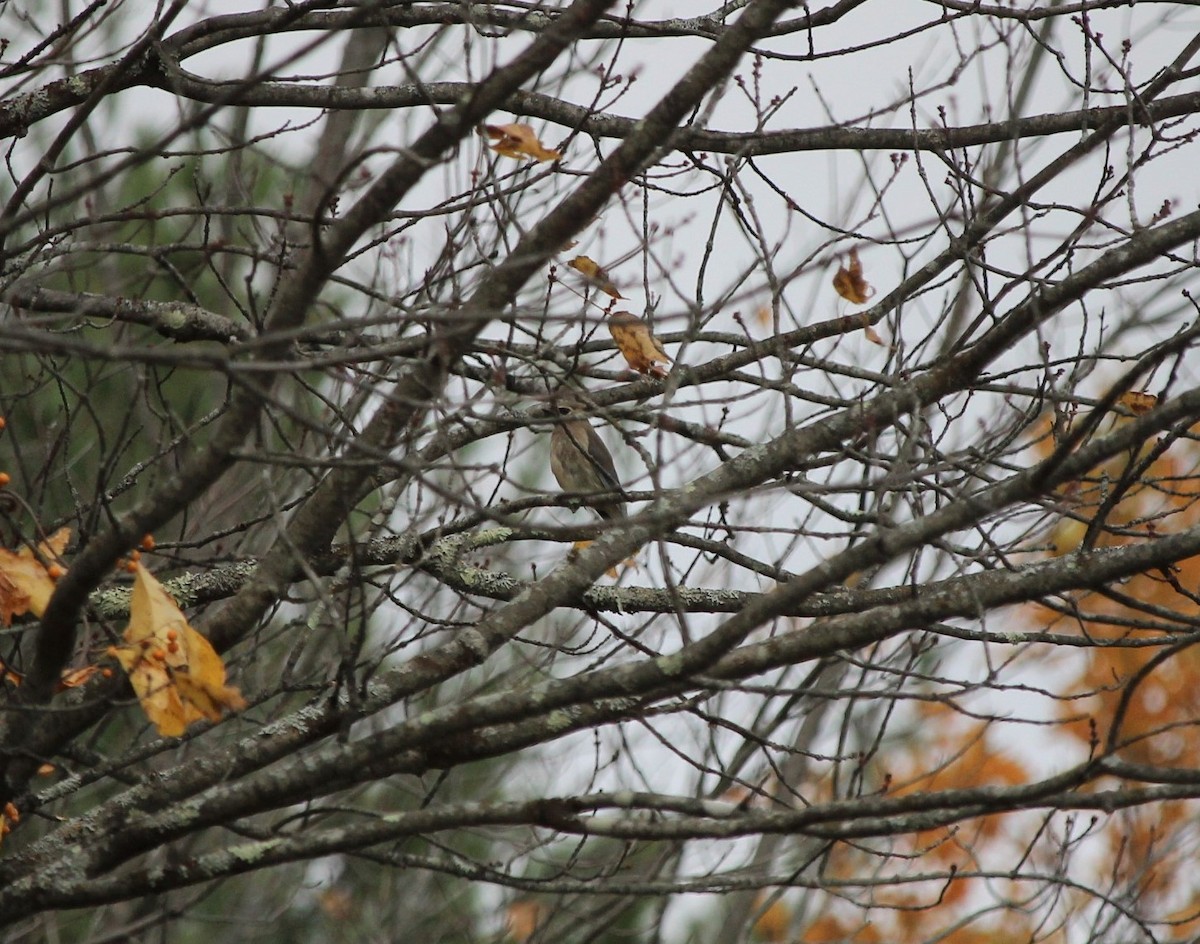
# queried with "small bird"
point(580, 461)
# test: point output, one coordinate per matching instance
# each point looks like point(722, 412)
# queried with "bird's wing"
point(596, 452)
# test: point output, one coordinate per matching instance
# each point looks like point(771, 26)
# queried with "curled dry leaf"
point(637, 344)
point(176, 673)
point(517, 140)
point(25, 583)
point(595, 274)
point(71, 678)
point(871, 334)
point(848, 281)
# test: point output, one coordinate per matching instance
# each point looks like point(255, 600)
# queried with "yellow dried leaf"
point(849, 282)
point(595, 274)
point(25, 585)
point(637, 344)
point(176, 673)
point(517, 140)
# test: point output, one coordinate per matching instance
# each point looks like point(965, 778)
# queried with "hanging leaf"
point(592, 271)
point(516, 140)
point(873, 336)
point(27, 578)
point(176, 673)
point(637, 344)
point(849, 282)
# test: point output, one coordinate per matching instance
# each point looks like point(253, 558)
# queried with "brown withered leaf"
point(637, 344)
point(595, 274)
point(848, 281)
point(517, 140)
point(175, 672)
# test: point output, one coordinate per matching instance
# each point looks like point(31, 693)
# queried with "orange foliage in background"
point(1162, 498)
point(947, 750)
point(1159, 722)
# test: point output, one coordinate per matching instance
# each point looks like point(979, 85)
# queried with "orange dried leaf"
point(595, 275)
point(1137, 402)
point(637, 344)
point(176, 684)
point(72, 678)
point(14, 599)
point(52, 548)
point(11, 675)
point(517, 140)
point(8, 820)
point(849, 282)
point(76, 677)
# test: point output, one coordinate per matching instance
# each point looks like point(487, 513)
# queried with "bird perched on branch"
point(581, 462)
